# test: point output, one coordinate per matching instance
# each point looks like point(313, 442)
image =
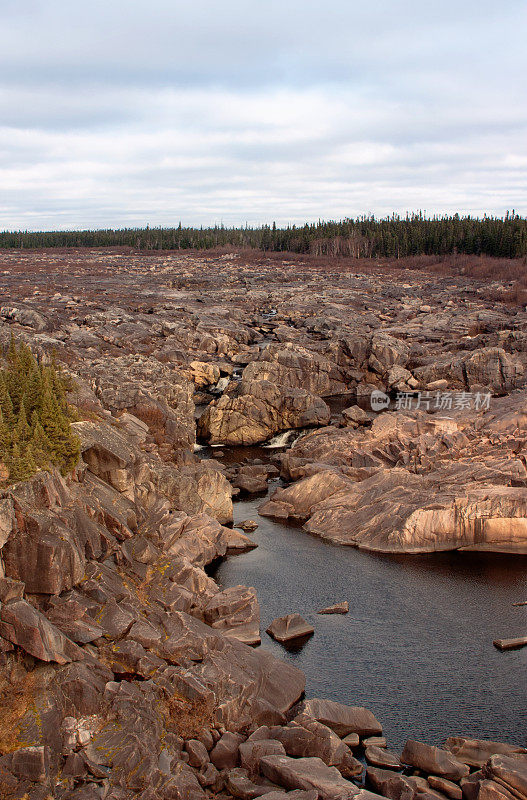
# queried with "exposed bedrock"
point(195, 485)
point(413, 482)
point(104, 582)
point(125, 669)
point(256, 410)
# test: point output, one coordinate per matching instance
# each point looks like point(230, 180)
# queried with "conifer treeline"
point(364, 237)
point(34, 417)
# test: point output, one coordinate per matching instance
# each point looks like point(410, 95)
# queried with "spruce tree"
point(30, 391)
point(22, 429)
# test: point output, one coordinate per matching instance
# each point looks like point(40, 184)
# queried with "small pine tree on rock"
point(35, 417)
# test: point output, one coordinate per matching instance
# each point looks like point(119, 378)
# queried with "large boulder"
point(341, 718)
point(433, 760)
point(257, 410)
point(24, 316)
point(387, 352)
point(509, 772)
point(294, 366)
point(23, 625)
point(489, 518)
point(476, 752)
point(108, 454)
point(308, 773)
point(236, 612)
point(397, 787)
point(114, 457)
point(251, 753)
point(305, 737)
point(298, 500)
point(381, 757)
point(195, 489)
point(372, 488)
point(490, 367)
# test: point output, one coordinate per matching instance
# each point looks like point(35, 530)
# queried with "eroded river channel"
point(416, 646)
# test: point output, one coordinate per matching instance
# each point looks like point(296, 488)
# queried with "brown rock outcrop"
point(341, 718)
point(257, 410)
point(308, 773)
point(372, 488)
point(433, 760)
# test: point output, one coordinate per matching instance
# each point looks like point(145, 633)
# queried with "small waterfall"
point(280, 440)
point(221, 386)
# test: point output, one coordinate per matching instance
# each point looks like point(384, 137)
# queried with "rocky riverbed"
point(126, 671)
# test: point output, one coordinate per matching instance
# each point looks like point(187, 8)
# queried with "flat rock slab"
point(508, 771)
point(510, 644)
point(341, 718)
point(338, 608)
point(308, 774)
point(433, 760)
point(26, 627)
point(447, 787)
point(380, 757)
point(476, 752)
point(374, 741)
point(351, 740)
point(292, 626)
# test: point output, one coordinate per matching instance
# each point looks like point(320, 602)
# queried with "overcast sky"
point(128, 112)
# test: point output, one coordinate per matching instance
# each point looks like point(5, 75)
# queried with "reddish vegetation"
point(483, 268)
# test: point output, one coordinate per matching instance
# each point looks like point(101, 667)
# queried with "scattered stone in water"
point(510, 644)
point(352, 740)
point(338, 608)
point(248, 525)
point(237, 542)
point(292, 626)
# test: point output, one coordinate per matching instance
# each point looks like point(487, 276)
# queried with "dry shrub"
point(189, 717)
point(17, 693)
point(142, 586)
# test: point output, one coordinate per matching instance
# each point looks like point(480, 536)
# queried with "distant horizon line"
point(393, 217)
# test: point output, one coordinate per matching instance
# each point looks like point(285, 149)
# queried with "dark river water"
point(416, 647)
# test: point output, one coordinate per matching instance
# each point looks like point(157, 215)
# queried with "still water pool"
point(416, 646)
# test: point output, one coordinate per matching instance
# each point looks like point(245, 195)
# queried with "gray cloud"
point(130, 112)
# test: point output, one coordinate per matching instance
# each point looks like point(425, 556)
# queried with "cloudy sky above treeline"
point(120, 113)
